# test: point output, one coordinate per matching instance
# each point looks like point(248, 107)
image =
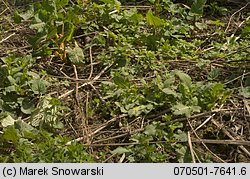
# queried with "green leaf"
point(99, 40)
point(17, 18)
point(150, 130)
point(61, 3)
point(197, 6)
point(76, 55)
point(11, 134)
point(185, 78)
point(181, 109)
point(245, 31)
point(39, 86)
point(182, 136)
point(27, 106)
point(136, 111)
point(58, 125)
point(69, 30)
point(245, 92)
point(170, 92)
point(120, 150)
point(23, 126)
point(49, 6)
point(213, 74)
point(153, 20)
point(182, 154)
point(121, 81)
point(7, 121)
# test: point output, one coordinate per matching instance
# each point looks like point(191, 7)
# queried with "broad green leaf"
point(23, 126)
point(245, 92)
point(9, 89)
point(150, 130)
point(213, 74)
point(182, 136)
point(58, 125)
point(170, 92)
point(136, 111)
point(121, 81)
point(245, 31)
point(8, 120)
point(181, 109)
point(39, 86)
point(197, 6)
point(201, 25)
point(120, 150)
point(50, 6)
point(11, 80)
point(76, 55)
point(27, 106)
point(153, 20)
point(17, 18)
point(185, 78)
point(183, 155)
point(11, 134)
point(61, 3)
point(136, 18)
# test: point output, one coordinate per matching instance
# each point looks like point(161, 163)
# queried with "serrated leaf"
point(181, 109)
point(170, 92)
point(150, 130)
point(185, 78)
point(245, 92)
point(136, 111)
point(182, 136)
point(213, 74)
point(182, 154)
point(76, 55)
point(153, 20)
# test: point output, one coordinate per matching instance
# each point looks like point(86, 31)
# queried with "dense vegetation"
point(124, 81)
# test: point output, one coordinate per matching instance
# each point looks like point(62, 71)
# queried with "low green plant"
point(157, 143)
point(174, 90)
point(145, 48)
point(23, 143)
point(20, 87)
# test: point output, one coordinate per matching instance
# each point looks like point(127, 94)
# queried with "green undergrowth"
point(141, 46)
